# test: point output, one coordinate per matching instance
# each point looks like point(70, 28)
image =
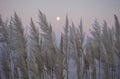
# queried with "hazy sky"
point(87, 9)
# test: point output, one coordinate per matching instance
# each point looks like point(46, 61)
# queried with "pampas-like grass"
point(34, 53)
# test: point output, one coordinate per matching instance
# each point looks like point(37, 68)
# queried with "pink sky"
point(89, 10)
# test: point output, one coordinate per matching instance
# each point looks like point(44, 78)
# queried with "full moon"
point(58, 18)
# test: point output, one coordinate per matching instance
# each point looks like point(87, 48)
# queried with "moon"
point(58, 18)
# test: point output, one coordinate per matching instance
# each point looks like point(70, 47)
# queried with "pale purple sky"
point(89, 10)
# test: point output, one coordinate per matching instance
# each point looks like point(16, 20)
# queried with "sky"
point(88, 10)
